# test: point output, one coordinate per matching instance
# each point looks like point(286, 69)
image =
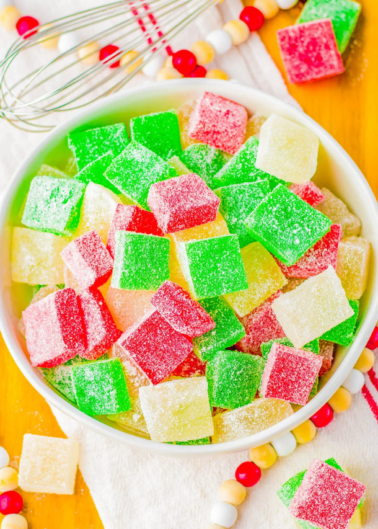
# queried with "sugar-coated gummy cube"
point(182, 203)
point(264, 279)
point(308, 192)
point(131, 420)
point(326, 351)
point(248, 420)
point(155, 346)
point(254, 125)
point(213, 267)
point(228, 329)
point(36, 257)
point(203, 441)
point(53, 205)
point(337, 211)
point(176, 273)
point(233, 379)
point(54, 329)
point(204, 160)
point(192, 366)
point(312, 309)
point(159, 132)
point(309, 51)
point(353, 265)
point(141, 261)
point(183, 313)
point(127, 306)
point(177, 410)
point(313, 347)
point(135, 170)
point(286, 225)
point(60, 377)
point(183, 113)
point(216, 228)
point(178, 166)
point(218, 122)
point(48, 464)
point(343, 333)
point(94, 172)
point(100, 387)
point(47, 170)
point(89, 145)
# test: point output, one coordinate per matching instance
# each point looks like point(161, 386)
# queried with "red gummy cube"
point(290, 374)
point(192, 366)
point(89, 260)
point(318, 258)
point(309, 51)
point(131, 218)
point(100, 330)
point(218, 122)
point(327, 497)
point(155, 346)
point(183, 313)
point(183, 202)
point(54, 329)
point(308, 192)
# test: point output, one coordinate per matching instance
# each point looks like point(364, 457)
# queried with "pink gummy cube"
point(327, 497)
point(155, 346)
point(290, 374)
point(183, 313)
point(54, 329)
point(183, 202)
point(192, 366)
point(308, 192)
point(309, 51)
point(131, 218)
point(318, 258)
point(89, 260)
point(218, 122)
point(100, 330)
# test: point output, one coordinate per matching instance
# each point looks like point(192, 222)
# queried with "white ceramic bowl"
point(335, 170)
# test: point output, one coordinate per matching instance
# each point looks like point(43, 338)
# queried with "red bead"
point(11, 503)
point(248, 474)
point(373, 340)
point(25, 25)
point(199, 71)
point(184, 61)
point(106, 52)
point(252, 17)
point(323, 417)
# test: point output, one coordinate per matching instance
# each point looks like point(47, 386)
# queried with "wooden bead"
point(269, 8)
point(231, 491)
point(263, 456)
point(51, 41)
point(203, 51)
point(8, 479)
point(9, 17)
point(14, 521)
point(168, 62)
point(127, 58)
point(238, 31)
point(217, 74)
point(341, 401)
point(366, 361)
point(305, 432)
point(89, 53)
point(166, 74)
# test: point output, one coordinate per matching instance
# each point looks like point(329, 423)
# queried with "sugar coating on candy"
point(292, 284)
point(237, 203)
point(133, 421)
point(54, 329)
point(176, 273)
point(337, 211)
point(155, 346)
point(353, 265)
point(233, 379)
point(131, 218)
point(48, 464)
point(218, 122)
point(312, 309)
point(60, 377)
point(35, 257)
point(177, 410)
point(53, 205)
point(286, 225)
point(313, 347)
point(183, 113)
point(94, 172)
point(308, 192)
point(327, 497)
point(192, 366)
point(327, 350)
point(183, 313)
point(264, 279)
point(309, 51)
point(228, 329)
point(343, 333)
point(213, 267)
point(216, 228)
point(178, 166)
point(318, 258)
point(204, 441)
point(248, 420)
point(127, 306)
point(141, 261)
point(254, 125)
point(204, 160)
point(182, 203)
point(135, 170)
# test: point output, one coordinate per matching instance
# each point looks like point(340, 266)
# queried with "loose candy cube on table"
point(326, 351)
point(337, 211)
point(313, 347)
point(353, 265)
point(48, 464)
point(127, 306)
point(343, 333)
point(192, 366)
point(94, 172)
point(132, 420)
point(204, 160)
point(308, 192)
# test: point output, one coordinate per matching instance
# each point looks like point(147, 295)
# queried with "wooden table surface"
point(347, 107)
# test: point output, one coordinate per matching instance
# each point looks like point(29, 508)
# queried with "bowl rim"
point(260, 438)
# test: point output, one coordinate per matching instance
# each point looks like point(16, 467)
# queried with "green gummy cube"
point(100, 387)
point(53, 205)
point(227, 331)
point(204, 160)
point(286, 225)
point(343, 14)
point(94, 172)
point(266, 347)
point(178, 166)
point(158, 132)
point(47, 170)
point(141, 261)
point(343, 333)
point(233, 378)
point(89, 145)
point(203, 441)
point(135, 170)
point(237, 203)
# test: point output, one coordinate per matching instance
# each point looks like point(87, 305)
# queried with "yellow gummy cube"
point(133, 419)
point(36, 257)
point(135, 378)
point(175, 271)
point(264, 278)
point(183, 114)
point(127, 306)
point(254, 125)
point(337, 211)
point(216, 228)
point(178, 166)
point(356, 522)
point(353, 265)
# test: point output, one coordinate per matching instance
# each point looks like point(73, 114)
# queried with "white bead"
point(67, 41)
point(14, 521)
point(6, 3)
point(286, 4)
point(285, 445)
point(223, 514)
point(220, 41)
point(4, 457)
point(153, 67)
point(354, 382)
